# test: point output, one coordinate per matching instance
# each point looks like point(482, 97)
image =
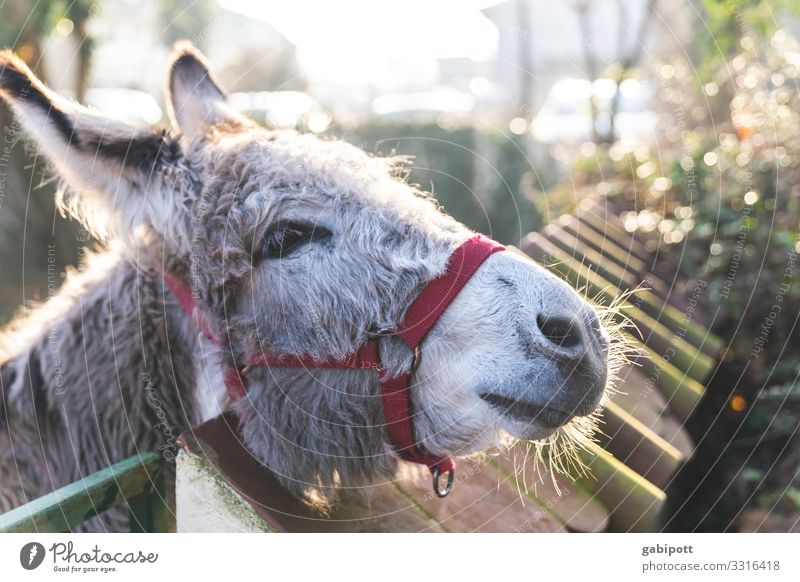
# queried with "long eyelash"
point(307, 233)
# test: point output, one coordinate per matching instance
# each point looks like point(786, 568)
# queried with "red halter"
point(421, 316)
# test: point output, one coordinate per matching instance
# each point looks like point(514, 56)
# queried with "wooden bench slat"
point(603, 218)
point(682, 392)
point(638, 446)
point(574, 507)
point(582, 252)
point(609, 249)
point(606, 221)
point(645, 299)
point(650, 407)
point(634, 504)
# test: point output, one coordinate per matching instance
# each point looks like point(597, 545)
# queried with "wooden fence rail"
point(137, 481)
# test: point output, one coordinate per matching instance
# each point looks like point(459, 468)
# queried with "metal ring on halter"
point(415, 362)
point(449, 487)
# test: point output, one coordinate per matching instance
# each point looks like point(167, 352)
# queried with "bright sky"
point(353, 41)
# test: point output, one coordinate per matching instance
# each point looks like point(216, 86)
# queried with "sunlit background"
point(683, 115)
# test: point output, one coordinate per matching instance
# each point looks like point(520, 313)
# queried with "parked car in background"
point(422, 105)
point(566, 116)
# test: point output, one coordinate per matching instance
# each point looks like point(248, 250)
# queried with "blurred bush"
point(719, 200)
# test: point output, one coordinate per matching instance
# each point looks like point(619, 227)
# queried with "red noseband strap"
point(421, 316)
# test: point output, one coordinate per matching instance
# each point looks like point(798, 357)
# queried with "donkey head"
point(296, 245)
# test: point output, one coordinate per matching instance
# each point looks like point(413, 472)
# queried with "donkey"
point(293, 245)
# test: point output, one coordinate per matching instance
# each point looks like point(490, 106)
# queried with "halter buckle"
point(437, 473)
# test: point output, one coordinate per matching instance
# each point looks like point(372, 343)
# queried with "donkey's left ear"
point(195, 100)
point(113, 167)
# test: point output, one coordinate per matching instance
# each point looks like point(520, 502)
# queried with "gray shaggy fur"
point(112, 365)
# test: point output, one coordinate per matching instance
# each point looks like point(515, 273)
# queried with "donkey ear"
point(109, 163)
point(194, 98)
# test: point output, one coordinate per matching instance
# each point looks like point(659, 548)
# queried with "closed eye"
point(286, 237)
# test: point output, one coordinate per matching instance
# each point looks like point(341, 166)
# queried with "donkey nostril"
point(559, 330)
